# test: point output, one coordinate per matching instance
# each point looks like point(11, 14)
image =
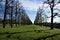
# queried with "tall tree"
point(39, 18)
point(16, 13)
point(52, 4)
point(4, 21)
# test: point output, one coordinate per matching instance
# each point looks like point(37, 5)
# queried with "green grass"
point(28, 32)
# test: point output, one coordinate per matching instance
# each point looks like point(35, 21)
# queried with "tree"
point(4, 20)
point(17, 12)
point(9, 9)
point(14, 12)
point(24, 17)
point(12, 5)
point(52, 3)
point(40, 16)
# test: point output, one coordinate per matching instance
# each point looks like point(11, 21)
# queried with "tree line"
point(40, 18)
point(14, 13)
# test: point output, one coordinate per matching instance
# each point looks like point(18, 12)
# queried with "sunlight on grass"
point(27, 32)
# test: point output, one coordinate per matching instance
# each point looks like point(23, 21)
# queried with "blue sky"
point(31, 7)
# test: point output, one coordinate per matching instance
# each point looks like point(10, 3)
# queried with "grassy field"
point(29, 32)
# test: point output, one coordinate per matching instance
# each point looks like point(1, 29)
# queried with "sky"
point(31, 7)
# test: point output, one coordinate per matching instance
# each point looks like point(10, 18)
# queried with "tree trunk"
point(52, 18)
point(11, 19)
point(12, 14)
point(4, 20)
point(16, 16)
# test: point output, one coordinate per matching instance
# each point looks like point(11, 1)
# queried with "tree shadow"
point(44, 38)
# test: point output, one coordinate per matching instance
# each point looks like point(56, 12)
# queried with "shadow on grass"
point(10, 34)
point(44, 38)
point(37, 31)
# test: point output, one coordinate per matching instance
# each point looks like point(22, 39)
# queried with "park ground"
point(29, 32)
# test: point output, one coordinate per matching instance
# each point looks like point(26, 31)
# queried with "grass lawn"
point(29, 32)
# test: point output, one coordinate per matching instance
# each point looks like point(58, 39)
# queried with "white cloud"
point(34, 6)
point(57, 19)
point(57, 6)
point(31, 5)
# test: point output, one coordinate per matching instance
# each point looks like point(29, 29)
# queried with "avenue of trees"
point(40, 20)
point(14, 13)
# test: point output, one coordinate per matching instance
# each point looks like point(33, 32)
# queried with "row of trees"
point(52, 4)
point(41, 17)
point(14, 13)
